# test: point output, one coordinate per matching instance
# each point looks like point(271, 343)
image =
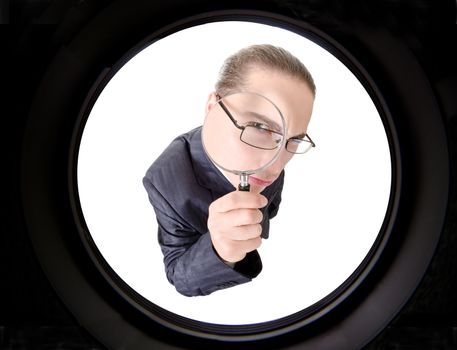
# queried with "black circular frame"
point(265, 329)
point(117, 315)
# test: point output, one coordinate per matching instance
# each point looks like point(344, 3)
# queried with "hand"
point(234, 224)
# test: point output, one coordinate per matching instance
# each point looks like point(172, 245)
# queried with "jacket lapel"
point(207, 174)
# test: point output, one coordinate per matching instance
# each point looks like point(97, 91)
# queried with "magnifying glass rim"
point(278, 151)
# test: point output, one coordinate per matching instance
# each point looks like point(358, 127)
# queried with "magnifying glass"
point(243, 134)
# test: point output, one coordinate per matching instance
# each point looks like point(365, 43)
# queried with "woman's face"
point(292, 97)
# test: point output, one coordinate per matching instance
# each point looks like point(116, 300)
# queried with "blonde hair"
point(233, 71)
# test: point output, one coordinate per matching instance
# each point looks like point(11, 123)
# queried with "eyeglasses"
point(261, 135)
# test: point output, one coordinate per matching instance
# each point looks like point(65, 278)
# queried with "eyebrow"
point(274, 124)
point(265, 119)
point(299, 136)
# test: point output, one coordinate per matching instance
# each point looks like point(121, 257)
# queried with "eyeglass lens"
point(258, 135)
point(298, 145)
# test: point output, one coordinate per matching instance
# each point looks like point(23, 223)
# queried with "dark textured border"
point(108, 313)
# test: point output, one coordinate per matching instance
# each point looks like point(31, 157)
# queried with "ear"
point(212, 98)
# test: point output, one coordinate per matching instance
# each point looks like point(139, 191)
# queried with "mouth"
point(260, 182)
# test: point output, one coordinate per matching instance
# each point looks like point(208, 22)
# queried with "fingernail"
point(264, 201)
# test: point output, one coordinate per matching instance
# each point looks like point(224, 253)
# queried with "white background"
point(334, 200)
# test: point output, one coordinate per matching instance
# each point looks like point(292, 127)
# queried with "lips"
point(259, 182)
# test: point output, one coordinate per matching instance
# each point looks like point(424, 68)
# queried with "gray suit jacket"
point(181, 184)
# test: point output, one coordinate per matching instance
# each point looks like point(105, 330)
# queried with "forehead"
point(291, 95)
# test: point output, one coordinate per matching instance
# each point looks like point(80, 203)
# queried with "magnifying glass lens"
point(243, 133)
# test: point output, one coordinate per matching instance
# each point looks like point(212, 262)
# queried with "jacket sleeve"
point(191, 263)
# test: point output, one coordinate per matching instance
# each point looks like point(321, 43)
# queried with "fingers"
point(234, 223)
point(237, 224)
point(240, 217)
point(239, 200)
point(239, 233)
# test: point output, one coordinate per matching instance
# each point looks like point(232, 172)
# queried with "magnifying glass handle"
point(244, 183)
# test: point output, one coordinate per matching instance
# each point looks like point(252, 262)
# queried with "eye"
point(261, 126)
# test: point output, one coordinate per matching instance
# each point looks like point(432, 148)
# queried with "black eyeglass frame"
point(254, 124)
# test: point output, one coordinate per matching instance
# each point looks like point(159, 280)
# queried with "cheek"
point(260, 158)
point(283, 159)
point(248, 157)
point(288, 157)
point(235, 155)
